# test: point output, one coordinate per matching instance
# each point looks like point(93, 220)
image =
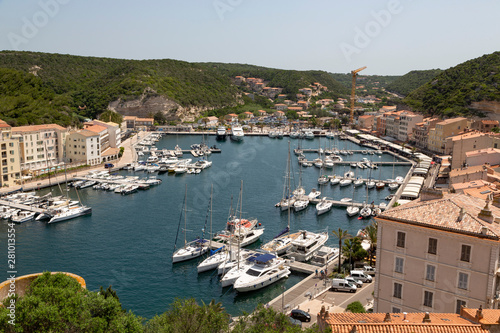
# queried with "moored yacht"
point(237, 134)
point(221, 133)
point(67, 213)
point(266, 269)
point(304, 246)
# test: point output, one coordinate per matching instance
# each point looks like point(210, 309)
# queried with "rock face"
point(146, 106)
point(490, 108)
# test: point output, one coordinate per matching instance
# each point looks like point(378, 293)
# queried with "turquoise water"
point(128, 241)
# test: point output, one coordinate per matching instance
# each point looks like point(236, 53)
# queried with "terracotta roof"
point(374, 322)
point(35, 128)
point(467, 171)
point(451, 120)
point(233, 115)
point(87, 133)
point(480, 152)
point(468, 135)
point(481, 192)
point(3, 124)
point(457, 213)
point(110, 152)
point(490, 316)
point(151, 120)
point(96, 128)
point(129, 118)
point(366, 116)
point(489, 121)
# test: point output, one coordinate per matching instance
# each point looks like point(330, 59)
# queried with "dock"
point(142, 186)
point(21, 206)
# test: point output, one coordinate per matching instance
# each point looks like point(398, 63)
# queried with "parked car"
point(295, 322)
point(108, 165)
point(300, 315)
point(369, 270)
point(360, 275)
point(343, 285)
point(357, 283)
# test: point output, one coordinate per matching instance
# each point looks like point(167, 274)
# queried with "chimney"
point(387, 318)
point(404, 316)
point(484, 230)
point(461, 214)
point(430, 194)
point(479, 313)
point(427, 318)
point(354, 329)
point(496, 200)
point(485, 214)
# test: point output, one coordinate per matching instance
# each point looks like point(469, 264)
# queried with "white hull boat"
point(352, 210)
point(190, 251)
point(323, 207)
point(304, 246)
point(267, 269)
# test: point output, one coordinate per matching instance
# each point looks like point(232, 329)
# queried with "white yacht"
point(325, 255)
point(314, 194)
point(334, 181)
point(352, 210)
point(323, 207)
point(237, 134)
point(365, 211)
point(345, 182)
point(23, 216)
point(281, 243)
point(370, 184)
point(299, 205)
point(191, 250)
point(221, 133)
point(393, 186)
point(309, 135)
point(358, 182)
point(266, 269)
point(304, 246)
point(69, 213)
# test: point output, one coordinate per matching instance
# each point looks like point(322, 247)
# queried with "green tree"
point(111, 116)
point(352, 248)
point(159, 117)
point(341, 235)
point(356, 307)
point(371, 233)
point(57, 303)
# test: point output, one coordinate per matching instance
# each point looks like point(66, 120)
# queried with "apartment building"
point(83, 147)
point(485, 125)
point(407, 121)
point(41, 146)
point(420, 134)
point(443, 130)
point(10, 170)
point(459, 145)
point(438, 254)
point(366, 121)
point(114, 131)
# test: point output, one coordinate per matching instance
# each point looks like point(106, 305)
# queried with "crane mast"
point(353, 92)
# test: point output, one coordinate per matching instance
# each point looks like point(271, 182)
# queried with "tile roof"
point(374, 323)
point(451, 120)
point(87, 133)
point(458, 213)
point(468, 135)
point(490, 316)
point(35, 128)
point(3, 124)
point(96, 128)
point(467, 171)
point(480, 152)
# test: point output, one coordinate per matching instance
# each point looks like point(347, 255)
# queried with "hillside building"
point(10, 169)
point(83, 147)
point(443, 130)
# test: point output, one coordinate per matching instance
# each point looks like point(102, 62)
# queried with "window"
point(398, 290)
point(465, 255)
point(463, 280)
point(432, 248)
point(460, 303)
point(396, 310)
point(428, 298)
point(430, 273)
point(401, 239)
point(398, 267)
point(5, 170)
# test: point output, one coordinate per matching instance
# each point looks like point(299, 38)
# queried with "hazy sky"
point(390, 37)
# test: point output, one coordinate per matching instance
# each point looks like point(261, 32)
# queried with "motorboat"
point(272, 134)
point(237, 134)
point(352, 210)
point(334, 181)
point(323, 180)
point(349, 174)
point(370, 184)
point(380, 185)
point(325, 255)
point(399, 180)
point(376, 211)
point(328, 163)
point(293, 135)
point(68, 213)
point(304, 246)
point(23, 216)
point(318, 162)
point(365, 212)
point(313, 194)
point(299, 205)
point(346, 200)
point(221, 133)
point(358, 182)
point(382, 205)
point(180, 170)
point(309, 135)
point(345, 182)
point(203, 164)
point(266, 269)
point(281, 243)
point(129, 189)
point(393, 186)
point(323, 207)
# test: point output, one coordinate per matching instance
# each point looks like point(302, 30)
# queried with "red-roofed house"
point(366, 121)
point(280, 106)
point(303, 104)
point(232, 117)
point(485, 125)
point(279, 114)
point(262, 113)
point(248, 114)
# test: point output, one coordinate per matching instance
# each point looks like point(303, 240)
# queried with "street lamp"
point(283, 299)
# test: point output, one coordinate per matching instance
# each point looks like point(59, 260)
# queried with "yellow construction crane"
point(353, 92)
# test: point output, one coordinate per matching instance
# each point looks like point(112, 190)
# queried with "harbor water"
point(128, 241)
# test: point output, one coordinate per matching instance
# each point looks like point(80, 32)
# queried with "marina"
point(123, 231)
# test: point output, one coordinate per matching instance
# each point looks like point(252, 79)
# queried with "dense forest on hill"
point(89, 83)
point(290, 80)
point(453, 91)
point(411, 81)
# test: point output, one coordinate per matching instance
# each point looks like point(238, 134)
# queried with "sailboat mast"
point(211, 198)
point(239, 227)
point(185, 211)
point(289, 194)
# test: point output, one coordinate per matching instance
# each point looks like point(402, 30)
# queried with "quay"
point(142, 186)
point(21, 206)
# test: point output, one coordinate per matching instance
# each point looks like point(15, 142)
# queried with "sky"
point(390, 37)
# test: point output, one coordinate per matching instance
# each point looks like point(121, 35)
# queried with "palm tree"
point(371, 233)
point(341, 235)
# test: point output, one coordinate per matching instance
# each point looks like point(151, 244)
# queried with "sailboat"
point(288, 199)
point(352, 210)
point(393, 185)
point(282, 242)
point(192, 249)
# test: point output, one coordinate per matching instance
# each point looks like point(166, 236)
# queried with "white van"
point(357, 283)
point(359, 275)
point(343, 285)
